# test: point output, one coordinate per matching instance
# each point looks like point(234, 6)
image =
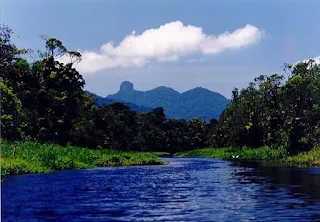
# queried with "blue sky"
point(270, 33)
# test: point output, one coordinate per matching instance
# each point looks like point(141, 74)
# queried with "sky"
point(181, 44)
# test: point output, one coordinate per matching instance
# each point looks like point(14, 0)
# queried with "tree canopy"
point(274, 112)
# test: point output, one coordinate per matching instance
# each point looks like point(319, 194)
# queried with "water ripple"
point(187, 189)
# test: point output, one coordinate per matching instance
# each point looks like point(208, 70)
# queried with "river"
point(186, 189)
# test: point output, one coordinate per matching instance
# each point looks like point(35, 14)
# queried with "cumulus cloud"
point(169, 42)
point(316, 60)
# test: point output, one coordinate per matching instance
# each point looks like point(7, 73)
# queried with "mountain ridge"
point(198, 102)
point(100, 101)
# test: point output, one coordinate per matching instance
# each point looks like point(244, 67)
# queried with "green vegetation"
point(308, 158)
point(275, 112)
point(33, 157)
point(44, 101)
point(266, 155)
point(261, 153)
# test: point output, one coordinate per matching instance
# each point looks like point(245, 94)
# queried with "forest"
point(44, 101)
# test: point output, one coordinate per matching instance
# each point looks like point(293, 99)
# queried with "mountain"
point(105, 101)
point(195, 103)
point(160, 96)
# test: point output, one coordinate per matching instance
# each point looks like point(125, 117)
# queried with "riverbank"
point(263, 154)
point(33, 157)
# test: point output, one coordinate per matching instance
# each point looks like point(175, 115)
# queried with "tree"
point(196, 133)
point(271, 112)
point(60, 98)
point(54, 48)
point(9, 53)
point(10, 113)
point(301, 97)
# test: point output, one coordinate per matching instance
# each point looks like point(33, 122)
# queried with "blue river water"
point(186, 189)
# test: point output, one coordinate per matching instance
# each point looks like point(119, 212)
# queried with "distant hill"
point(195, 103)
point(105, 101)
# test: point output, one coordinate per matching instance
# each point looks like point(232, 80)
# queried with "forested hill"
point(101, 101)
point(195, 103)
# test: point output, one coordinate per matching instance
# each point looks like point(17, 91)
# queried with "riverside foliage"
point(275, 112)
point(267, 155)
point(33, 157)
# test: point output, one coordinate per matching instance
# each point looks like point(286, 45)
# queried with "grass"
point(32, 157)
point(276, 156)
point(262, 153)
point(311, 158)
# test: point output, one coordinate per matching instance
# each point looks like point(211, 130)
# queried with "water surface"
point(187, 189)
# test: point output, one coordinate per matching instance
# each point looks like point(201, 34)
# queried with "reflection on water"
point(293, 188)
point(187, 189)
point(297, 180)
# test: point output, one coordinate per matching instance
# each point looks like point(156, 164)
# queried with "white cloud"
point(169, 42)
point(316, 60)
